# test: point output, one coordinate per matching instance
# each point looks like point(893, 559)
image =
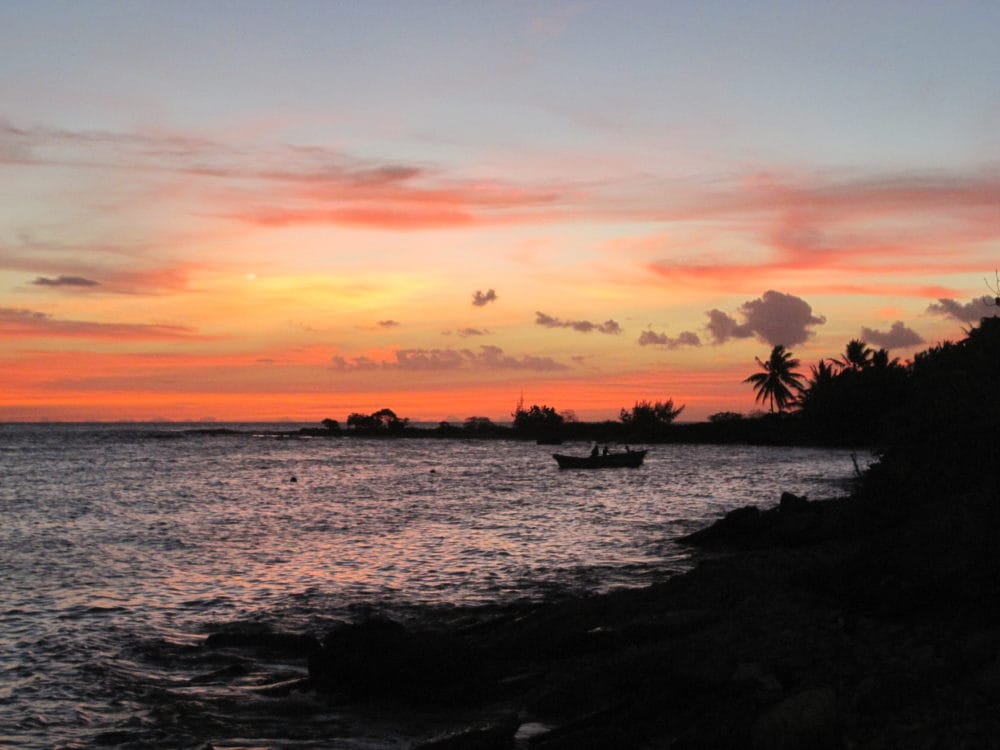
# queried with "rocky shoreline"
point(811, 625)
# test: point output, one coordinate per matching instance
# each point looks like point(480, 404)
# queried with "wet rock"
point(598, 730)
point(979, 648)
point(263, 639)
point(738, 527)
point(498, 735)
point(284, 688)
point(754, 675)
point(790, 502)
point(703, 664)
point(115, 737)
point(381, 658)
point(805, 721)
point(988, 681)
point(221, 675)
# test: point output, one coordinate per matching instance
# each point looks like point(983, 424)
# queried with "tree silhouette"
point(857, 356)
point(536, 418)
point(777, 384)
point(379, 422)
point(649, 421)
point(881, 360)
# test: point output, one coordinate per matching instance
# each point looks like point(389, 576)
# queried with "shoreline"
point(809, 625)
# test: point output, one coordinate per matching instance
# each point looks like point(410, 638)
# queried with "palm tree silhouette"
point(857, 356)
point(777, 383)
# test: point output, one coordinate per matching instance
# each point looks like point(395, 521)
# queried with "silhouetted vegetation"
point(862, 398)
point(537, 421)
point(942, 439)
point(381, 422)
point(648, 421)
point(777, 384)
point(850, 400)
point(479, 425)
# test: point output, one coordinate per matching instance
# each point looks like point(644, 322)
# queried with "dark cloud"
point(897, 337)
point(355, 363)
point(466, 332)
point(684, 338)
point(429, 359)
point(722, 327)
point(388, 324)
point(970, 312)
point(480, 298)
point(492, 357)
point(78, 281)
point(486, 358)
point(774, 318)
point(583, 326)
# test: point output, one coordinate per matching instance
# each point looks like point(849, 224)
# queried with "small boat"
point(610, 461)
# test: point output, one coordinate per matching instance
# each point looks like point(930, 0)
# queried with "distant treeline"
point(864, 399)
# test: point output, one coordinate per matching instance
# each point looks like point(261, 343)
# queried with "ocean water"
point(122, 546)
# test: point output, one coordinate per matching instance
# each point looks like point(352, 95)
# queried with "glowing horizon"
point(256, 212)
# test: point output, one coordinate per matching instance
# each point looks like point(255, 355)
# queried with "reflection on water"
point(111, 539)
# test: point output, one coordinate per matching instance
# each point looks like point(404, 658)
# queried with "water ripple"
point(118, 547)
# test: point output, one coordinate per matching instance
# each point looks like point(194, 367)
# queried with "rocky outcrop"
point(380, 658)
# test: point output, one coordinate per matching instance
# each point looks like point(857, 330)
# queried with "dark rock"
point(115, 737)
point(790, 502)
point(381, 658)
point(805, 721)
point(979, 648)
point(497, 735)
point(284, 688)
point(754, 675)
point(739, 527)
point(264, 639)
point(605, 728)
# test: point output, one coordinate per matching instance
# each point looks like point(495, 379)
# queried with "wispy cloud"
point(684, 338)
point(286, 185)
point(583, 326)
point(21, 323)
point(80, 265)
point(71, 281)
point(485, 358)
point(824, 228)
point(467, 332)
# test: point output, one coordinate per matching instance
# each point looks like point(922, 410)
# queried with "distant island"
point(855, 400)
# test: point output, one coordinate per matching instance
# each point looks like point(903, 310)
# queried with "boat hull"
point(611, 461)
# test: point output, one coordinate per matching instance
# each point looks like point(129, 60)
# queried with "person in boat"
point(605, 450)
point(596, 452)
point(627, 449)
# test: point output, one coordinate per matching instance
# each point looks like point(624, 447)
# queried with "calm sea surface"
point(121, 546)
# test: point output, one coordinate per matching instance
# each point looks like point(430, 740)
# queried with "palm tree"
point(822, 374)
point(777, 383)
point(857, 356)
point(881, 361)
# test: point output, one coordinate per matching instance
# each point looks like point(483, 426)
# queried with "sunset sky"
point(269, 210)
